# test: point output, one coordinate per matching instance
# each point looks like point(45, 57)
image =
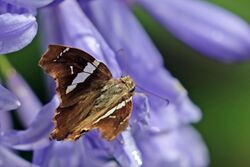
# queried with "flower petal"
point(5, 121)
point(16, 31)
point(92, 146)
point(81, 154)
point(8, 158)
point(174, 116)
point(182, 147)
point(6, 7)
point(141, 113)
point(121, 30)
point(130, 149)
point(29, 3)
point(8, 101)
point(37, 134)
point(94, 149)
point(30, 104)
point(61, 154)
point(225, 37)
point(79, 32)
point(122, 150)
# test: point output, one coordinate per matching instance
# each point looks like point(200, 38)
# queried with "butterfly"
point(89, 97)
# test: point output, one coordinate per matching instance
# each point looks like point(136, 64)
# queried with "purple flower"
point(211, 30)
point(29, 3)
point(111, 33)
point(18, 23)
point(153, 124)
point(123, 151)
point(36, 135)
point(27, 139)
point(9, 158)
point(30, 112)
point(121, 30)
point(182, 147)
point(30, 103)
point(8, 100)
point(86, 36)
point(5, 121)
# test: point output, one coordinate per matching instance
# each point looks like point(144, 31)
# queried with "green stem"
point(5, 66)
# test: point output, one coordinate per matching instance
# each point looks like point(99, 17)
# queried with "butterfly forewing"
point(75, 72)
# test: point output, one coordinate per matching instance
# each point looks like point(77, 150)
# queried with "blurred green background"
point(221, 91)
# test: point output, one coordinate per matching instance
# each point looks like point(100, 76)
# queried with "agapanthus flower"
point(159, 134)
point(8, 101)
point(122, 30)
point(213, 31)
point(18, 23)
point(27, 98)
point(29, 139)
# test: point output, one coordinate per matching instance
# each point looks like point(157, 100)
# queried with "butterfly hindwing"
point(110, 124)
point(115, 123)
point(67, 119)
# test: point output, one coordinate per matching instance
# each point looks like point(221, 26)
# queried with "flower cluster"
point(159, 134)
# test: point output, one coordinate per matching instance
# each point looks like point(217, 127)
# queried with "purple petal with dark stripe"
point(6, 7)
point(37, 134)
point(30, 104)
point(10, 159)
point(207, 28)
point(29, 3)
point(16, 31)
point(8, 101)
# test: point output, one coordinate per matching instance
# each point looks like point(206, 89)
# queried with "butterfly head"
point(128, 81)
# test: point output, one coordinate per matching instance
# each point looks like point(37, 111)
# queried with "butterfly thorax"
point(114, 92)
point(128, 81)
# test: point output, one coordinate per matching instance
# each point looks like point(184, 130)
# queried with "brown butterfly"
point(90, 97)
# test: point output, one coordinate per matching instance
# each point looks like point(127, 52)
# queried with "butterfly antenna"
point(166, 100)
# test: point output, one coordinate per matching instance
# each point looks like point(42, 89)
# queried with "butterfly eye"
point(132, 90)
